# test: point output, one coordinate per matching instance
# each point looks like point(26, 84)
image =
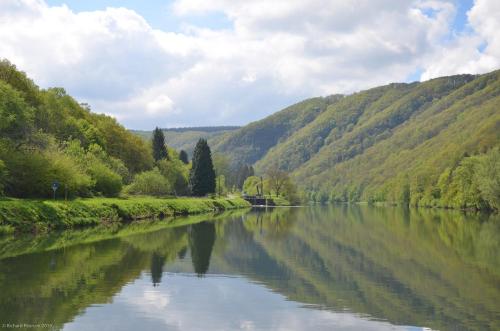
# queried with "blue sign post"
point(55, 186)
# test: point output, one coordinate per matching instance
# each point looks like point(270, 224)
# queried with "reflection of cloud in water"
point(184, 302)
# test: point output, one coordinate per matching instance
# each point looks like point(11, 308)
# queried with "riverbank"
point(18, 215)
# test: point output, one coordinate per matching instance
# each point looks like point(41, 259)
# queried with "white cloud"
point(276, 52)
point(477, 51)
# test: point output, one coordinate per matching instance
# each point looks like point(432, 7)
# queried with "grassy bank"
point(45, 215)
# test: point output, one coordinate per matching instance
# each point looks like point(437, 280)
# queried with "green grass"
point(280, 201)
point(44, 215)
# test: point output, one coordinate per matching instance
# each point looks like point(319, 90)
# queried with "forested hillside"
point(250, 143)
point(433, 143)
point(186, 138)
point(46, 136)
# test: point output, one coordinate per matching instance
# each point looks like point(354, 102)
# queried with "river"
point(311, 268)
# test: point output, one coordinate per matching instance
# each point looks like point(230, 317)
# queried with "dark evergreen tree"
point(183, 156)
point(201, 243)
point(202, 176)
point(251, 172)
point(157, 262)
point(160, 151)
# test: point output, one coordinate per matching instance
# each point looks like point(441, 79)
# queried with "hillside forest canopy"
point(435, 143)
point(48, 138)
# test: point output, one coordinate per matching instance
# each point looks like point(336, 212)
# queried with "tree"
point(277, 179)
point(183, 156)
point(157, 262)
point(16, 117)
point(221, 188)
point(159, 149)
point(488, 178)
point(202, 176)
point(252, 185)
point(244, 171)
point(201, 243)
point(221, 164)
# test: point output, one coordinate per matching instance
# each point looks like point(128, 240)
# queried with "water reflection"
point(201, 242)
point(157, 262)
point(438, 269)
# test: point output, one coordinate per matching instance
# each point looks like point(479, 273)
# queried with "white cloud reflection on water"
point(214, 302)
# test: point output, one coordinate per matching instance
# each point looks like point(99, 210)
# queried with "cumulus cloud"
point(477, 51)
point(274, 53)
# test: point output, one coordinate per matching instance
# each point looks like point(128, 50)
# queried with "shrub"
point(106, 180)
point(31, 174)
point(150, 183)
point(176, 173)
point(250, 186)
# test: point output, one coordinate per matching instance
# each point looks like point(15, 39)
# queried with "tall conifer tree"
point(160, 151)
point(202, 176)
point(183, 157)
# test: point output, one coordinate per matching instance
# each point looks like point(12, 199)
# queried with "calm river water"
point(311, 268)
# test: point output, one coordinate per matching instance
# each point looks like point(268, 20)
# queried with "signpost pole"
point(55, 186)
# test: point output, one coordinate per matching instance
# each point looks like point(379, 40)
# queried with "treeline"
point(50, 141)
point(472, 183)
point(203, 128)
point(393, 143)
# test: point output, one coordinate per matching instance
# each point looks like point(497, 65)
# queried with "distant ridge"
point(414, 142)
point(185, 138)
point(203, 128)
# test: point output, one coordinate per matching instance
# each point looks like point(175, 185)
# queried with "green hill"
point(426, 143)
point(250, 143)
point(46, 136)
point(186, 138)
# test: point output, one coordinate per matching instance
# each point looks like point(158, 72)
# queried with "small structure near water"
point(259, 200)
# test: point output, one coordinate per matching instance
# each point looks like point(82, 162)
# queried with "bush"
point(176, 173)
point(31, 174)
point(150, 183)
point(66, 171)
point(250, 186)
point(106, 180)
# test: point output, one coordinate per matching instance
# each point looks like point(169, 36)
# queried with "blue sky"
point(177, 63)
point(158, 13)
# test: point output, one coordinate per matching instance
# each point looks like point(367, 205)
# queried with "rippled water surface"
point(313, 268)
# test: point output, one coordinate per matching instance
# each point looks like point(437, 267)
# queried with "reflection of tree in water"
point(201, 243)
point(157, 262)
point(276, 222)
point(182, 253)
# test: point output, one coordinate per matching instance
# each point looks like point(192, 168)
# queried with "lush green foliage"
point(420, 143)
point(252, 186)
point(46, 136)
point(176, 173)
point(250, 143)
point(150, 183)
point(202, 175)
